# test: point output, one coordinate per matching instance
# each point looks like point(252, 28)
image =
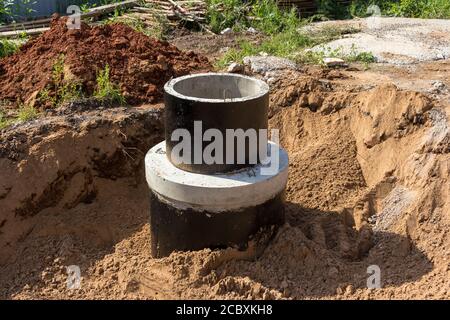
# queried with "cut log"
point(98, 11)
point(17, 33)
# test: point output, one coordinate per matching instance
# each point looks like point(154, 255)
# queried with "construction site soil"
point(368, 185)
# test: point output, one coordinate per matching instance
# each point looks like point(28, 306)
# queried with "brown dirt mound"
point(139, 65)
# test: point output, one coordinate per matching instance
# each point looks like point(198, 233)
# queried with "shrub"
point(7, 47)
point(264, 15)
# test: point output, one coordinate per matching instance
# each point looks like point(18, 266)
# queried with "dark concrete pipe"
point(220, 101)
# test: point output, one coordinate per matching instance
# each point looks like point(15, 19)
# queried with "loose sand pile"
point(139, 65)
point(368, 186)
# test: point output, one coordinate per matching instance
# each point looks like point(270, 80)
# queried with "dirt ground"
point(368, 185)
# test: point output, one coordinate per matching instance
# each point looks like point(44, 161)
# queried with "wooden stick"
point(98, 11)
point(29, 32)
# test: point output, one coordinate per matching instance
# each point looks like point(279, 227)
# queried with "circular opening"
point(216, 87)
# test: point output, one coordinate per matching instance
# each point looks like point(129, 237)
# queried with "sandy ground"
point(392, 40)
point(368, 186)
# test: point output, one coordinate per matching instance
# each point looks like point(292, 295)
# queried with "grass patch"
point(293, 44)
point(439, 9)
point(280, 27)
point(329, 33)
point(428, 9)
point(237, 55)
point(27, 113)
point(5, 121)
point(317, 57)
point(106, 89)
point(285, 36)
point(263, 15)
point(363, 57)
point(8, 47)
point(24, 114)
point(284, 44)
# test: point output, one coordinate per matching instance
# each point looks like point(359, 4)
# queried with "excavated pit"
point(366, 186)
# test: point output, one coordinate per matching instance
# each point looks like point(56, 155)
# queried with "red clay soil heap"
point(139, 65)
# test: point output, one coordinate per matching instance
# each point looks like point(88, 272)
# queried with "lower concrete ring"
point(192, 211)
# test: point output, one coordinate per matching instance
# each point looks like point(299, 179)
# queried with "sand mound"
point(139, 65)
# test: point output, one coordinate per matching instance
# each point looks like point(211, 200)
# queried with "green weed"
point(264, 15)
point(438, 9)
point(106, 89)
point(4, 121)
point(27, 113)
point(8, 47)
point(64, 89)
